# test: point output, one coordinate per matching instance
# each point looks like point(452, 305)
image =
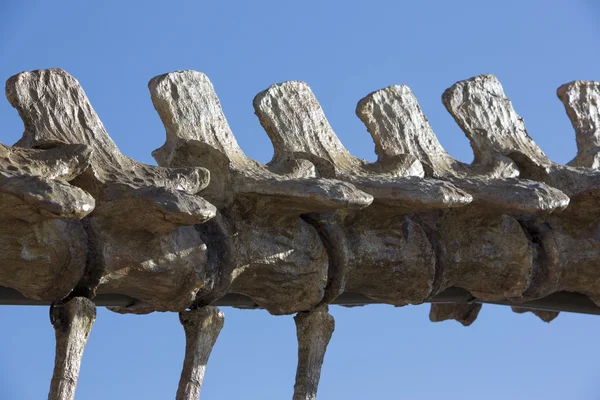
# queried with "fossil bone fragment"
point(202, 327)
point(72, 323)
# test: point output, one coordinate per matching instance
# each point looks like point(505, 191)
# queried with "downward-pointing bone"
point(581, 100)
point(465, 313)
point(314, 330)
point(546, 316)
point(72, 323)
point(202, 327)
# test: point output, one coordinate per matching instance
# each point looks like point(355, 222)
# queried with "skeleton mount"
point(82, 225)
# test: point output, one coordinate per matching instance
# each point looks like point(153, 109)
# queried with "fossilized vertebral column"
point(274, 256)
point(140, 234)
point(72, 323)
point(369, 239)
point(314, 330)
point(202, 327)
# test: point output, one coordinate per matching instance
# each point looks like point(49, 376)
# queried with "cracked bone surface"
point(404, 250)
point(79, 218)
point(72, 323)
point(565, 246)
point(44, 246)
point(546, 316)
point(314, 330)
point(202, 327)
point(140, 233)
point(365, 244)
point(258, 241)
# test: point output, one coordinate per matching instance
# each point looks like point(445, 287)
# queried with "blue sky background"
point(344, 50)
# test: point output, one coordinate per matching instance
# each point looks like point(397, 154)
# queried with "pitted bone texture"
point(141, 240)
point(275, 257)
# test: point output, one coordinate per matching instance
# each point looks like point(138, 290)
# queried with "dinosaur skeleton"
point(83, 225)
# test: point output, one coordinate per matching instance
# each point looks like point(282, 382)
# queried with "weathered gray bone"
point(72, 323)
point(142, 243)
point(202, 327)
point(273, 256)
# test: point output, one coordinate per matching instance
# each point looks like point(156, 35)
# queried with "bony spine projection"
point(81, 220)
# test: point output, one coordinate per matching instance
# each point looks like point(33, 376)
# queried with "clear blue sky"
point(344, 50)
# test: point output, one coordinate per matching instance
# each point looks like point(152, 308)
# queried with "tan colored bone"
point(142, 213)
point(314, 330)
point(277, 259)
point(72, 323)
point(202, 327)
